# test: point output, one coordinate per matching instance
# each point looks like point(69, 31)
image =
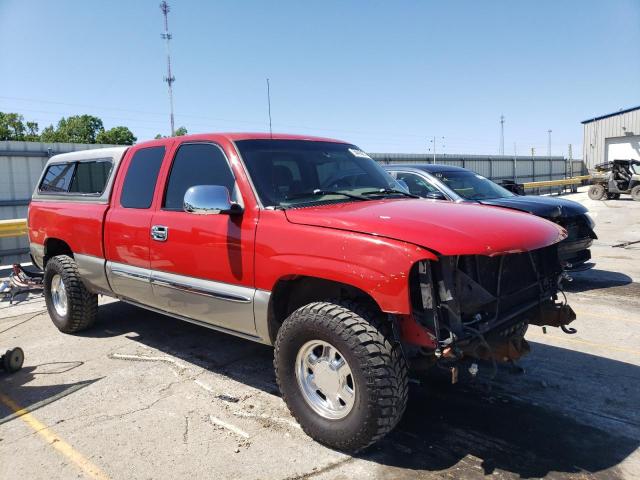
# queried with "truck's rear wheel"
point(71, 306)
point(597, 192)
point(635, 193)
point(343, 379)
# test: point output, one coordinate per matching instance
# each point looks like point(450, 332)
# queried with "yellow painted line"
point(13, 228)
point(88, 468)
point(604, 346)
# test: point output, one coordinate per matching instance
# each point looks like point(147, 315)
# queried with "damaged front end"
point(480, 307)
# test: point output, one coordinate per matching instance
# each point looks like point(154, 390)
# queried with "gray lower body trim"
point(37, 253)
point(261, 315)
point(222, 306)
point(221, 291)
point(196, 322)
point(93, 273)
point(131, 282)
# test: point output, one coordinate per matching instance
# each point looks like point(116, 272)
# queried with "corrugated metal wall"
point(521, 168)
point(597, 131)
point(20, 166)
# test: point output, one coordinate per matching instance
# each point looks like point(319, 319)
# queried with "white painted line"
point(144, 358)
point(204, 385)
point(291, 423)
point(228, 426)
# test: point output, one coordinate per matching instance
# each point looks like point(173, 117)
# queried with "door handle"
point(159, 233)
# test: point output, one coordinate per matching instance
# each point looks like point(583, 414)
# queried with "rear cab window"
point(76, 178)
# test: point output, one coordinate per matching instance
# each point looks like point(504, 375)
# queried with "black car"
point(445, 182)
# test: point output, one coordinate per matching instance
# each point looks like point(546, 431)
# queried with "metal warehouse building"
point(613, 136)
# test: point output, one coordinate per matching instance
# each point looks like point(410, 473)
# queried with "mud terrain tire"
point(378, 372)
point(71, 306)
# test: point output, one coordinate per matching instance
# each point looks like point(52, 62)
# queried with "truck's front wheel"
point(343, 379)
point(71, 306)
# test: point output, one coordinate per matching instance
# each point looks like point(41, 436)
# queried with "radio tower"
point(166, 36)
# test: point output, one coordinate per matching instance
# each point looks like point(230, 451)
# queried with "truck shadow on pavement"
point(521, 426)
point(16, 387)
point(596, 279)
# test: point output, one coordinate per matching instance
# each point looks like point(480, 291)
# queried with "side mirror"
point(209, 200)
point(437, 195)
point(403, 184)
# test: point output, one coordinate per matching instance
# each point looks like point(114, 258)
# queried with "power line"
point(166, 36)
point(207, 123)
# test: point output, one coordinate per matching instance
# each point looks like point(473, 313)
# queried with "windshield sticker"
point(359, 153)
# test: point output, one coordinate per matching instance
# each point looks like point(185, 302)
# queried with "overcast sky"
point(385, 75)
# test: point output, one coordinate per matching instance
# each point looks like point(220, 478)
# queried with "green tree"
point(74, 129)
point(11, 126)
point(180, 131)
point(32, 134)
point(116, 136)
point(49, 134)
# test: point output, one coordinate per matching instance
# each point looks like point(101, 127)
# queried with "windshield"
point(293, 172)
point(472, 186)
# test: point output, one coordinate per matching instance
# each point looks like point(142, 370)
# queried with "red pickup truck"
point(303, 243)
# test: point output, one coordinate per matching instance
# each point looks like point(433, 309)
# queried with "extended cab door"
point(202, 265)
point(127, 224)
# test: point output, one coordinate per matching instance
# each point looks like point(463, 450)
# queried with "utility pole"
point(166, 36)
point(549, 143)
point(570, 160)
point(533, 151)
point(501, 135)
point(515, 162)
point(434, 149)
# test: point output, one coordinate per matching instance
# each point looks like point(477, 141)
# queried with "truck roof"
point(115, 154)
point(233, 136)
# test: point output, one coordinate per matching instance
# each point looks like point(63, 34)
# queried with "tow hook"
point(555, 315)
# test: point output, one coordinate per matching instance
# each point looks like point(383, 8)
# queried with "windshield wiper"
point(319, 192)
point(390, 191)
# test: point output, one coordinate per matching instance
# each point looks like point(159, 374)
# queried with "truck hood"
point(444, 227)
point(547, 207)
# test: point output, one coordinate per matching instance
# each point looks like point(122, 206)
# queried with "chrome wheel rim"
point(325, 379)
point(59, 295)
